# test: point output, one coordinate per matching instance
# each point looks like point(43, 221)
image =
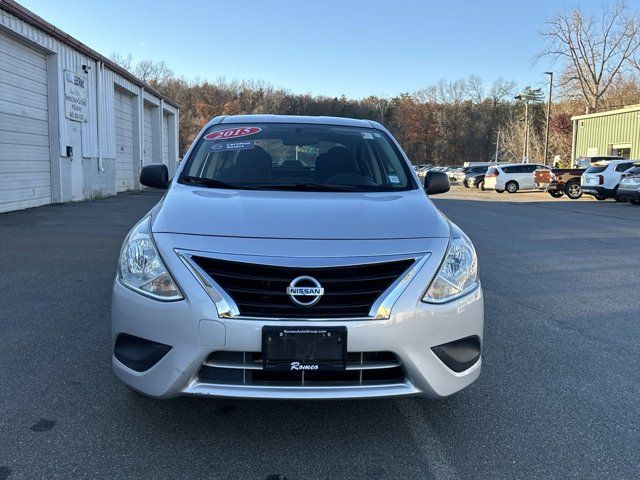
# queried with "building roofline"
point(630, 108)
point(22, 13)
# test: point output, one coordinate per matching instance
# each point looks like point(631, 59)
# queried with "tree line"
point(598, 67)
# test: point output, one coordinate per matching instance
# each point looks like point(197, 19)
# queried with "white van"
point(512, 177)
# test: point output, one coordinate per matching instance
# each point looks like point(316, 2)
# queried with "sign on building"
point(592, 152)
point(75, 96)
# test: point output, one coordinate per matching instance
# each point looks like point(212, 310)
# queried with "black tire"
point(556, 193)
point(600, 197)
point(481, 185)
point(511, 187)
point(634, 201)
point(499, 191)
point(573, 190)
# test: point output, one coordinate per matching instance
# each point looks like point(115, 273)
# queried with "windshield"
point(297, 157)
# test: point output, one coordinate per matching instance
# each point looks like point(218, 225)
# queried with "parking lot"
point(558, 395)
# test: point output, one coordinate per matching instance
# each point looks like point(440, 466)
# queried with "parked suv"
point(602, 179)
point(476, 181)
point(472, 171)
point(629, 188)
point(512, 177)
point(335, 279)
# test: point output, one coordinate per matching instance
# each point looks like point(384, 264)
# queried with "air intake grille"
point(261, 290)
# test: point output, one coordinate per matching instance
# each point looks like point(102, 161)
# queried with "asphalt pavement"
point(559, 395)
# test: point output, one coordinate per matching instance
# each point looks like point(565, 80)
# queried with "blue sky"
point(326, 47)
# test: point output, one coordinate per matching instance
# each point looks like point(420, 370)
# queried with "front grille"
point(245, 368)
point(261, 290)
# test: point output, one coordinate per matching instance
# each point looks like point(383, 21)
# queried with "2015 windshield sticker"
point(232, 133)
point(228, 146)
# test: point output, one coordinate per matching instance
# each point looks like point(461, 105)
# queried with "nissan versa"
point(296, 257)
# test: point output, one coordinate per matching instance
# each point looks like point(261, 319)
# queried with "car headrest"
point(252, 166)
point(336, 161)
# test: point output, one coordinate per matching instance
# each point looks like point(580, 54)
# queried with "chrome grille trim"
point(246, 369)
point(257, 365)
point(227, 307)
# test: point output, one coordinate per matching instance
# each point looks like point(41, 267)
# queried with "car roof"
point(319, 120)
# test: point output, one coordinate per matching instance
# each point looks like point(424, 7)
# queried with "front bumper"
point(193, 330)
point(628, 194)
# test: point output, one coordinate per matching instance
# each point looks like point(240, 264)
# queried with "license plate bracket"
point(301, 348)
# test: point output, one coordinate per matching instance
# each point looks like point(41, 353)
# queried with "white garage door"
point(124, 141)
point(165, 139)
point(25, 167)
point(148, 135)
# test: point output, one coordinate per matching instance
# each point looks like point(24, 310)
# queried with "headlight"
point(458, 274)
point(140, 267)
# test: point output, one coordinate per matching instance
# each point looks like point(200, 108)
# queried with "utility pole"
point(526, 137)
point(525, 146)
point(546, 135)
point(497, 145)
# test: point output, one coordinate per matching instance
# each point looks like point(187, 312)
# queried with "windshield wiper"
point(306, 187)
point(298, 187)
point(209, 182)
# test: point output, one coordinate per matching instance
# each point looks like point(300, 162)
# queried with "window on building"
point(620, 150)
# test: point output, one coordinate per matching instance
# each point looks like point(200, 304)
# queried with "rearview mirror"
point(155, 175)
point(301, 141)
point(436, 182)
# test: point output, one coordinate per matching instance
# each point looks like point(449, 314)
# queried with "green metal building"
point(616, 132)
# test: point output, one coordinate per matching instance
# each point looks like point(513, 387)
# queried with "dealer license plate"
point(294, 348)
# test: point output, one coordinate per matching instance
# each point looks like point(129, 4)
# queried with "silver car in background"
point(298, 258)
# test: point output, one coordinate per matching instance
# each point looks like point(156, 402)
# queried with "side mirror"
point(155, 175)
point(436, 182)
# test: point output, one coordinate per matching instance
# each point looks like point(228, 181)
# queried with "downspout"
point(99, 114)
point(162, 134)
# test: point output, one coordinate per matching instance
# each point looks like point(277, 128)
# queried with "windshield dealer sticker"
point(232, 133)
point(367, 135)
point(239, 145)
point(394, 179)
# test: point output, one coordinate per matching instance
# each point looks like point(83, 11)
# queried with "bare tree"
point(593, 51)
point(121, 60)
point(635, 63)
point(154, 73)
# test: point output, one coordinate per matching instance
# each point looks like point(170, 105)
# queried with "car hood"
point(298, 215)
